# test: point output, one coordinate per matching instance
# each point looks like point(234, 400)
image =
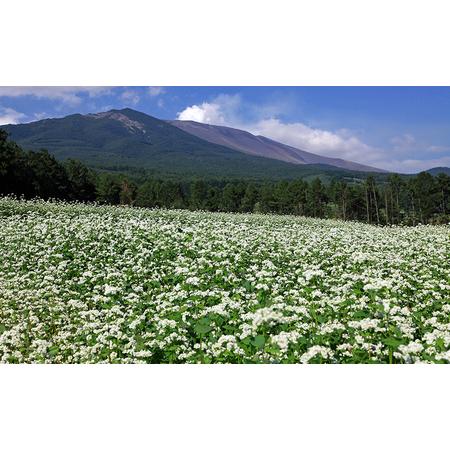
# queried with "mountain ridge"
point(258, 145)
point(437, 170)
point(129, 138)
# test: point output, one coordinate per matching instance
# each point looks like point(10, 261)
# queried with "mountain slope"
point(127, 139)
point(438, 170)
point(248, 143)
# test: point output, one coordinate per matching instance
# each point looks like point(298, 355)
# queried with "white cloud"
point(205, 113)
point(338, 144)
point(405, 141)
point(10, 116)
point(415, 165)
point(226, 110)
point(222, 111)
point(66, 94)
point(154, 91)
point(130, 97)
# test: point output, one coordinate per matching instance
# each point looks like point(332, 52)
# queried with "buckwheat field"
point(97, 284)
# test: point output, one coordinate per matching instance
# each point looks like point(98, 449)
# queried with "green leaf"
point(53, 350)
point(202, 328)
point(259, 341)
point(392, 342)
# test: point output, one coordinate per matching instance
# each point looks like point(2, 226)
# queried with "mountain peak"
point(125, 138)
point(120, 116)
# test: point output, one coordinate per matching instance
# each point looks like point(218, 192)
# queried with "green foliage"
point(259, 341)
point(419, 199)
point(39, 174)
point(156, 146)
point(203, 326)
point(81, 179)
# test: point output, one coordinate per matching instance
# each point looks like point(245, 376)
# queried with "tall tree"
point(298, 189)
point(372, 198)
point(198, 191)
point(82, 181)
point(50, 179)
point(443, 187)
point(108, 189)
point(395, 185)
point(317, 198)
point(250, 198)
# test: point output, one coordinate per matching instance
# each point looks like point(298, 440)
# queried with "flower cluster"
point(99, 284)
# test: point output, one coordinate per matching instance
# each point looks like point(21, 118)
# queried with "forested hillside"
point(130, 141)
point(397, 199)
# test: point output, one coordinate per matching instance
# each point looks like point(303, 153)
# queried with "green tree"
point(108, 189)
point(230, 198)
point(198, 192)
point(298, 189)
point(147, 194)
point(425, 192)
point(266, 201)
point(81, 180)
point(443, 188)
point(316, 198)
point(49, 179)
point(213, 198)
point(16, 176)
point(395, 184)
point(250, 198)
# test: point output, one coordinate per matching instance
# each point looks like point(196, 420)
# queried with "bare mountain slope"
point(246, 142)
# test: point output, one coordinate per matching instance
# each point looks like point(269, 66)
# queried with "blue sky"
point(405, 129)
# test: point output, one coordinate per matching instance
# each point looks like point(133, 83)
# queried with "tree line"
point(396, 200)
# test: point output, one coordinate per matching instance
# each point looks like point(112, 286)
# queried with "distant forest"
point(408, 200)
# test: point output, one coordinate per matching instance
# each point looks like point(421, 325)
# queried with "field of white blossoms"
point(98, 284)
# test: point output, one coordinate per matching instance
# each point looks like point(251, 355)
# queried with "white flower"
point(110, 290)
point(315, 350)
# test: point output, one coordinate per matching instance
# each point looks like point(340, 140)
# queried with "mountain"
point(438, 170)
point(250, 144)
point(128, 140)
